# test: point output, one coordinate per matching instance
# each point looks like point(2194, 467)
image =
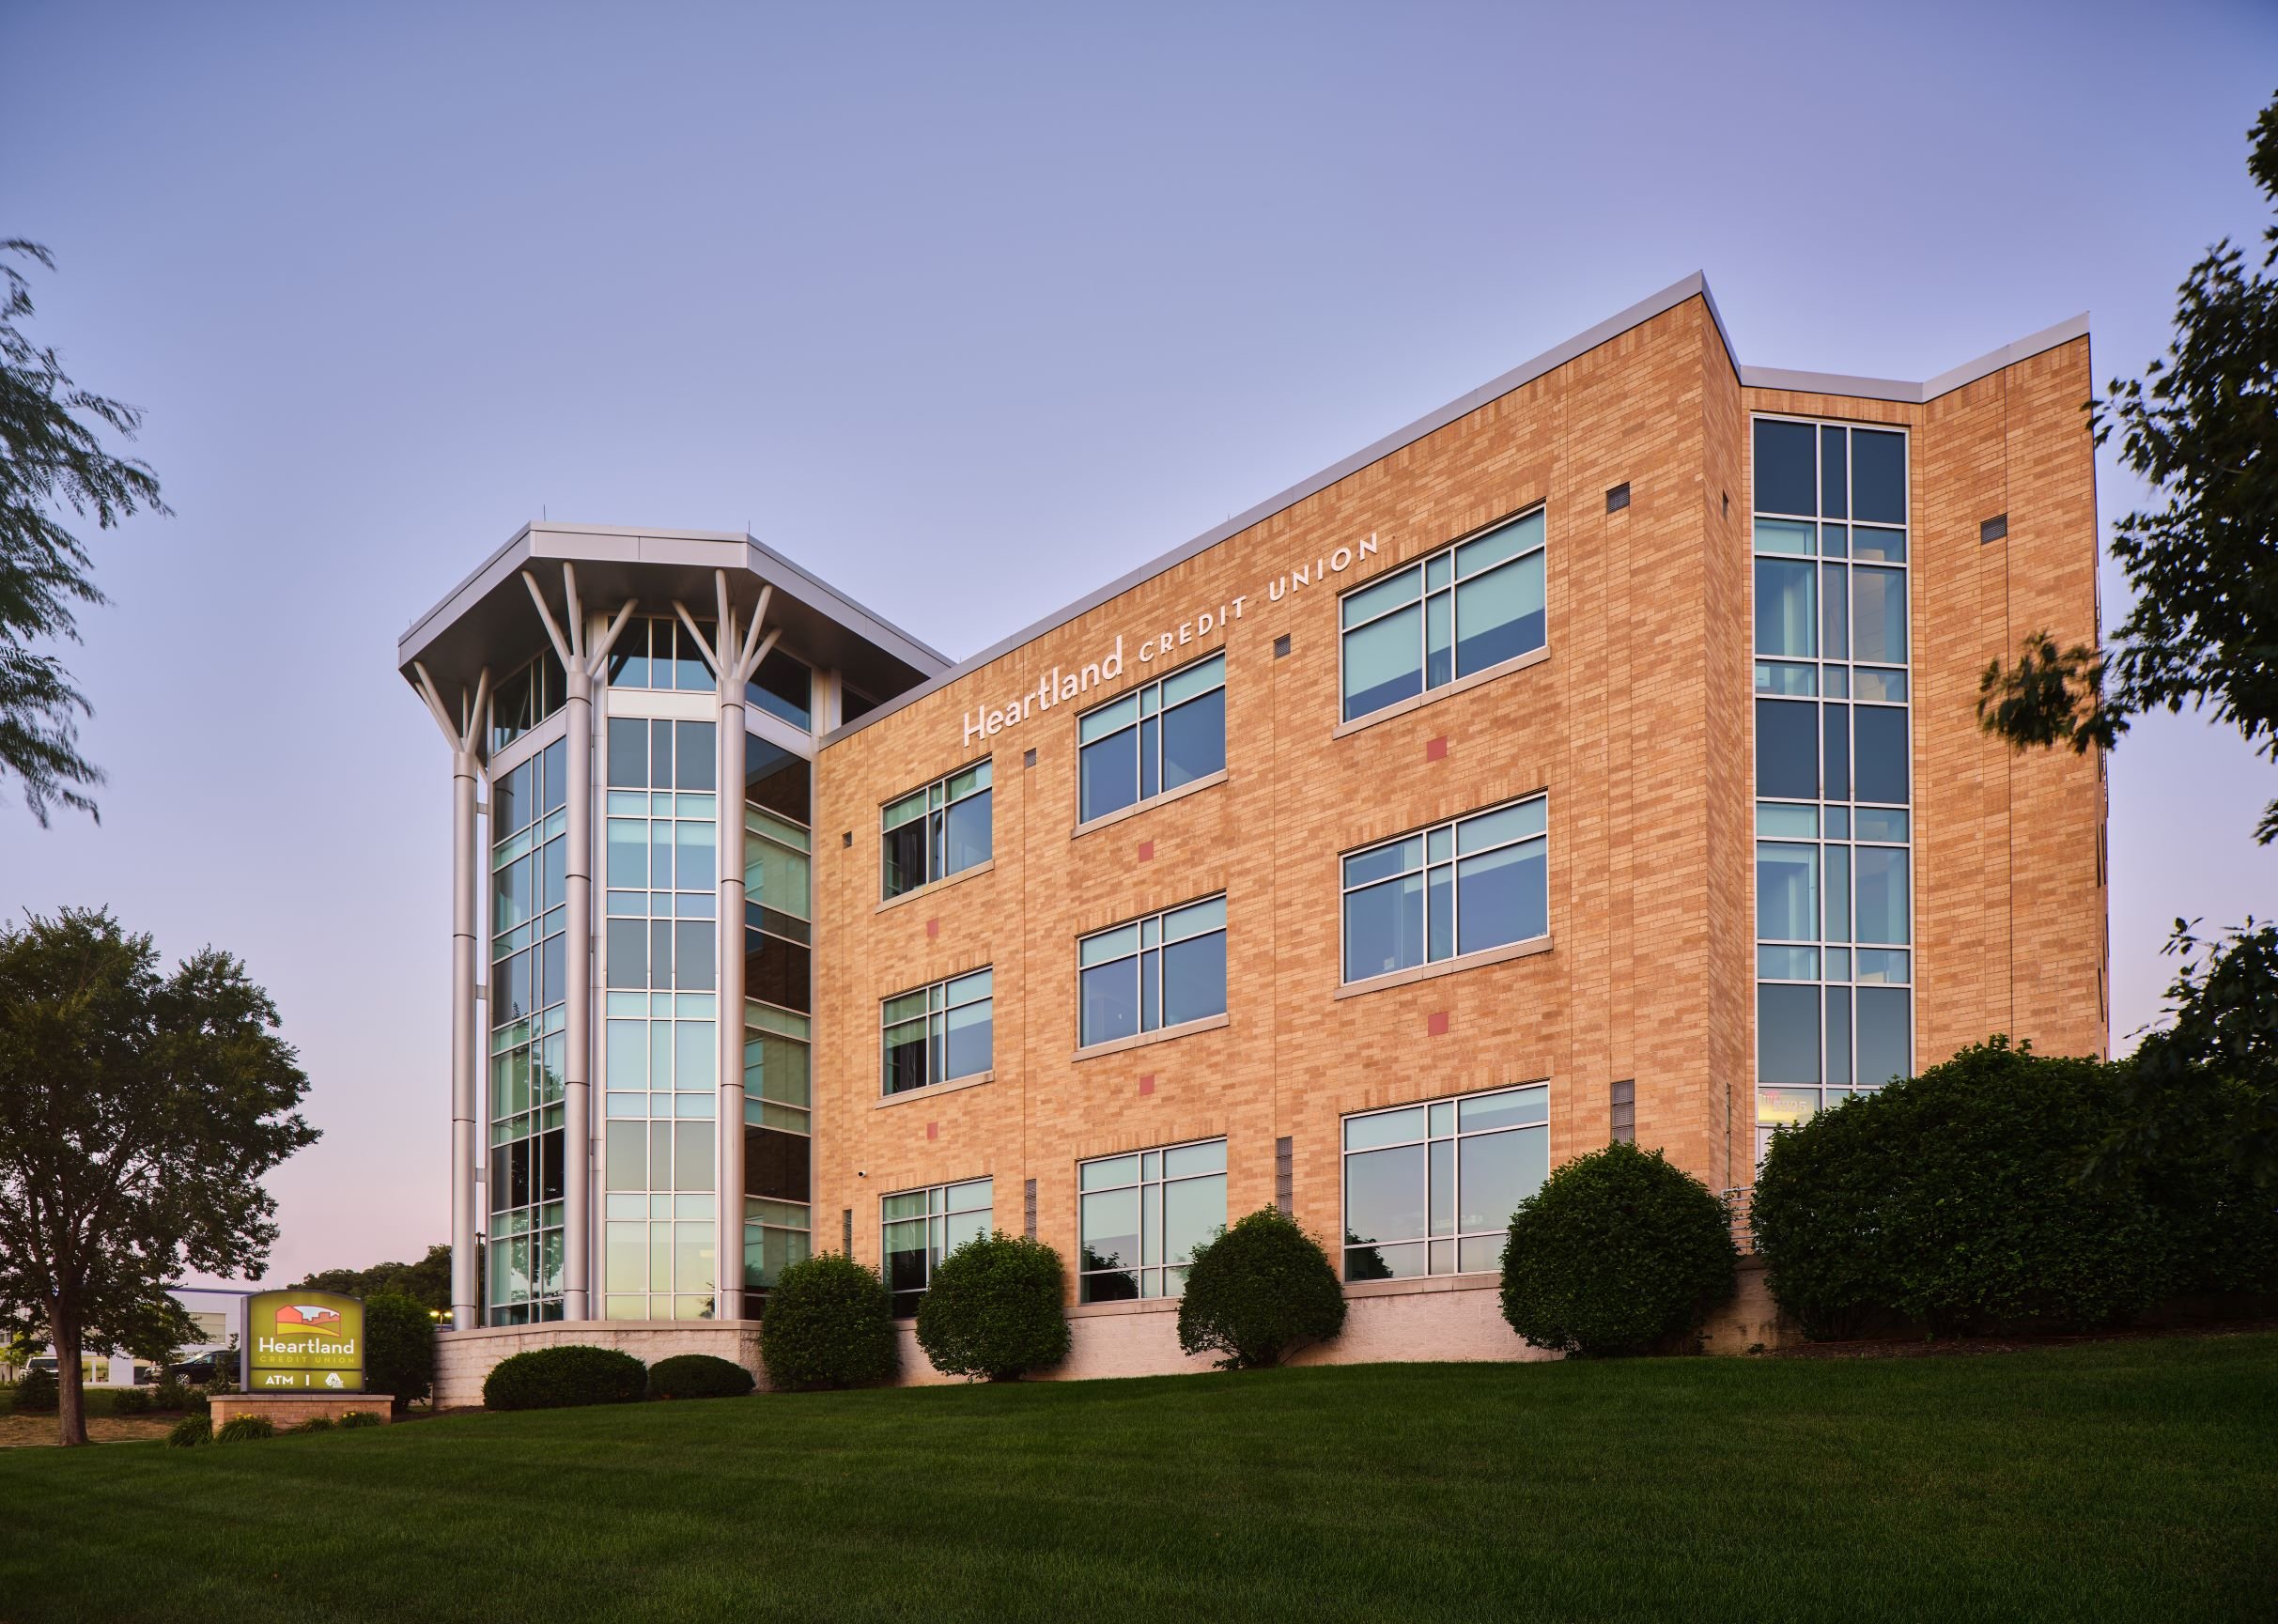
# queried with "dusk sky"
point(969, 310)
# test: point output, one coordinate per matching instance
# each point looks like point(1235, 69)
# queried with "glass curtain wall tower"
point(633, 913)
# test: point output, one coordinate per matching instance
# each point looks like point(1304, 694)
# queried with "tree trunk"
point(70, 1395)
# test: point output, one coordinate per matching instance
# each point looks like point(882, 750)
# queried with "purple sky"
point(970, 310)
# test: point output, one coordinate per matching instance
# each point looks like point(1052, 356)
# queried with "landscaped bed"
point(2121, 1481)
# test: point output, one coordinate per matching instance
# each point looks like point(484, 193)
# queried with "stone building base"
point(284, 1411)
point(1387, 1321)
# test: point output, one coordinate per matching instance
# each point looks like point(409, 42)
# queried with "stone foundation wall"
point(1386, 1322)
point(464, 1358)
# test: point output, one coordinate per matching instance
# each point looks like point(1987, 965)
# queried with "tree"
point(51, 458)
point(2201, 427)
point(138, 1112)
point(2209, 1079)
point(427, 1281)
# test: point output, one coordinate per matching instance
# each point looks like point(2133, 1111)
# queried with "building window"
point(529, 1046)
point(1463, 887)
point(1142, 1216)
point(940, 1033)
point(1430, 1188)
point(655, 651)
point(1160, 971)
point(1167, 733)
point(1834, 824)
point(923, 1226)
point(526, 699)
point(937, 831)
point(778, 1067)
point(1461, 611)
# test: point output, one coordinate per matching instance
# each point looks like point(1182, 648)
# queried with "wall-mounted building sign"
point(300, 1341)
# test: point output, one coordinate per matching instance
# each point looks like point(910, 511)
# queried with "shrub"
point(36, 1394)
point(244, 1429)
point(173, 1394)
point(191, 1431)
point(698, 1376)
point(399, 1348)
point(1619, 1252)
point(355, 1420)
point(316, 1424)
point(564, 1376)
point(130, 1402)
point(992, 1308)
point(827, 1323)
point(1954, 1199)
point(1258, 1293)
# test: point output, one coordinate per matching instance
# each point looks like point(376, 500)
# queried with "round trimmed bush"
point(398, 1347)
point(36, 1395)
point(698, 1376)
point(191, 1431)
point(244, 1429)
point(826, 1323)
point(1619, 1252)
point(1954, 1201)
point(563, 1377)
point(1259, 1293)
point(994, 1308)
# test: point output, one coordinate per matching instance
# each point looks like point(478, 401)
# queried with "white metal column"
point(578, 668)
point(734, 659)
point(465, 738)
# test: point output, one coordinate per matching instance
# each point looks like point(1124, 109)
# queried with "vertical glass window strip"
point(919, 1227)
point(527, 1051)
point(1160, 971)
point(1461, 887)
point(526, 699)
point(660, 945)
point(1141, 1216)
point(1429, 1189)
point(937, 831)
point(1461, 611)
point(1170, 733)
point(938, 1033)
point(1833, 856)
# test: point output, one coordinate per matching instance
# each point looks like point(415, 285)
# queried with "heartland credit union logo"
point(303, 1339)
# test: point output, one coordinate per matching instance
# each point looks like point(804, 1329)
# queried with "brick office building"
point(1596, 757)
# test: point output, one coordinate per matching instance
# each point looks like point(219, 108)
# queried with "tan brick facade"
point(1637, 723)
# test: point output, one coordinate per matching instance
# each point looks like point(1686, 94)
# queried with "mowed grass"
point(2125, 1481)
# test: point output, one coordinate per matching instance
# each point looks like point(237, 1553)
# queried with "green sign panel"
point(303, 1342)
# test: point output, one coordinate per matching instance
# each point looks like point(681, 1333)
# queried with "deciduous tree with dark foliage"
point(2201, 427)
point(138, 1112)
point(52, 458)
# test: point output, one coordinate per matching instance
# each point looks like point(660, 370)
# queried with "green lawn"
point(2110, 1481)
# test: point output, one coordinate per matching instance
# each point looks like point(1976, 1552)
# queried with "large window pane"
point(1787, 748)
point(1503, 896)
point(1787, 893)
point(1194, 978)
point(1194, 739)
point(1108, 770)
point(1787, 474)
point(1882, 909)
point(1786, 616)
point(1385, 1193)
point(966, 837)
point(1194, 1210)
point(906, 1057)
point(966, 1050)
point(1786, 1034)
point(1494, 1172)
point(1111, 1001)
point(1498, 615)
point(904, 856)
point(1885, 1035)
point(1383, 928)
point(1383, 662)
point(1878, 616)
point(627, 752)
point(1881, 755)
point(1878, 476)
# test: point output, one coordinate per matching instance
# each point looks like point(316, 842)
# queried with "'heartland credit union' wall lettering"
point(1060, 685)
